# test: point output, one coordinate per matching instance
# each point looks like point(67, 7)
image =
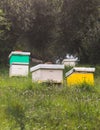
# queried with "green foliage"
point(43, 26)
point(80, 29)
point(15, 112)
point(32, 106)
point(4, 25)
point(97, 73)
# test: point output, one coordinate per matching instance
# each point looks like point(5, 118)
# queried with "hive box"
point(47, 73)
point(70, 62)
point(19, 63)
point(80, 75)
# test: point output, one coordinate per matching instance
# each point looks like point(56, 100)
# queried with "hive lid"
point(80, 69)
point(70, 60)
point(46, 66)
point(19, 63)
point(19, 53)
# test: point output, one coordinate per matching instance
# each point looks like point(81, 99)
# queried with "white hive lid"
point(19, 63)
point(84, 69)
point(46, 66)
point(19, 53)
point(80, 69)
point(70, 60)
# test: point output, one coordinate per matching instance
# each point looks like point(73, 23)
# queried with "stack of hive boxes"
point(19, 63)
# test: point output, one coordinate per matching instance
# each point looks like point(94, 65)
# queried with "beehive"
point(80, 75)
point(47, 73)
point(19, 63)
point(70, 62)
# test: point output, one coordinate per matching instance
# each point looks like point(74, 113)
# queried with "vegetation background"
point(31, 106)
point(43, 26)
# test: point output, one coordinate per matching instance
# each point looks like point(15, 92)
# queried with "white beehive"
point(47, 73)
point(70, 62)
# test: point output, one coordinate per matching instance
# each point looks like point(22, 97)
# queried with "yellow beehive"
point(80, 75)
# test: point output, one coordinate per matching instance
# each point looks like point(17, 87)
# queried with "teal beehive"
point(19, 63)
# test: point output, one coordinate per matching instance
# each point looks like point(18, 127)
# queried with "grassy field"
point(30, 106)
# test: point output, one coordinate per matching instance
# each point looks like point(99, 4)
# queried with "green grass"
point(30, 106)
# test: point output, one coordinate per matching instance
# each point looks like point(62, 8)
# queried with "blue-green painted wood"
point(19, 59)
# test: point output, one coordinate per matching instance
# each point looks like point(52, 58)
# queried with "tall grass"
point(31, 106)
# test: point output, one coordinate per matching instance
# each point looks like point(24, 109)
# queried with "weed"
point(31, 106)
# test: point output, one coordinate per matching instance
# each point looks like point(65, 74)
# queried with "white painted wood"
point(46, 66)
point(70, 62)
point(18, 70)
point(47, 72)
point(84, 69)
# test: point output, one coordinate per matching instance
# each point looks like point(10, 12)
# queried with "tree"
point(32, 20)
point(79, 19)
point(4, 36)
point(41, 32)
point(51, 28)
point(4, 25)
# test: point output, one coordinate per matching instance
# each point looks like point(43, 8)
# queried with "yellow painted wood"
point(80, 78)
